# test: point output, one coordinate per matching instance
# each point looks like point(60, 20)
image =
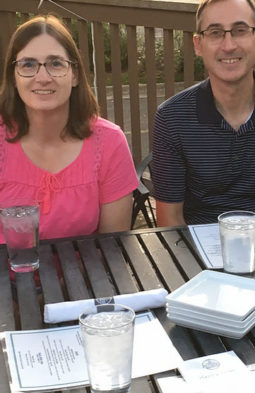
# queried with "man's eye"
point(240, 30)
point(215, 33)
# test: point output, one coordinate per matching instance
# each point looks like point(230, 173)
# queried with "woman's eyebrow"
point(26, 58)
point(52, 57)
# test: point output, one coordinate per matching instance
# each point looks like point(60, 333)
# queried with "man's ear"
point(197, 44)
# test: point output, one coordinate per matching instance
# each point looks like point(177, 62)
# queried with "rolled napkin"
point(70, 311)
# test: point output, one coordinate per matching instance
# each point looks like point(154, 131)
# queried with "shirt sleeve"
point(168, 163)
point(117, 175)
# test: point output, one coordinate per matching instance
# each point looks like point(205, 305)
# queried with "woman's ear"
point(75, 78)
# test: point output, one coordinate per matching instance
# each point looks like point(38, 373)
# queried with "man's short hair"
point(204, 3)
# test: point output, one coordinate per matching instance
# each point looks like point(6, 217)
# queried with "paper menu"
point(235, 384)
point(223, 372)
point(43, 360)
point(207, 368)
point(207, 240)
point(53, 359)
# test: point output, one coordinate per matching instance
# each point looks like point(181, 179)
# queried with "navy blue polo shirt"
point(200, 159)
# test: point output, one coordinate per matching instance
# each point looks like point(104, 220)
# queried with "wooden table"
point(106, 265)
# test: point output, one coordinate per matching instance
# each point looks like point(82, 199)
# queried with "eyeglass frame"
point(251, 29)
point(70, 63)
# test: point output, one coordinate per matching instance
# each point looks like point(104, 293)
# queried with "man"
point(204, 137)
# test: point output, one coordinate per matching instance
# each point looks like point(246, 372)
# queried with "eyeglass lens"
point(30, 67)
point(236, 32)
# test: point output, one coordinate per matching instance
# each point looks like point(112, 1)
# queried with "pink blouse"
point(70, 199)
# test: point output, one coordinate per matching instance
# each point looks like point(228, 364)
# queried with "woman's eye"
point(28, 64)
point(57, 63)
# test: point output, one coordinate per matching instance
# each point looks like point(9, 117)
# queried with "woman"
point(53, 145)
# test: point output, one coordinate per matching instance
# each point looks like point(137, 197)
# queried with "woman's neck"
point(46, 127)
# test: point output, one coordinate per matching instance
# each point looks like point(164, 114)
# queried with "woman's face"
point(43, 92)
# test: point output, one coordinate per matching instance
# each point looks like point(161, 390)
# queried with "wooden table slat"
point(141, 264)
point(117, 265)
point(4, 380)
point(179, 335)
point(29, 306)
point(188, 238)
point(97, 275)
point(209, 344)
point(163, 261)
point(140, 385)
point(52, 291)
point(244, 348)
point(7, 320)
point(72, 271)
point(185, 258)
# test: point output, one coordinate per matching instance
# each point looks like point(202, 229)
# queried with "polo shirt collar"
point(206, 109)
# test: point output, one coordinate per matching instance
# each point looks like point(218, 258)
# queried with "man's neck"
point(234, 101)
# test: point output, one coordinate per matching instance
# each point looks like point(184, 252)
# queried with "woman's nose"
point(42, 73)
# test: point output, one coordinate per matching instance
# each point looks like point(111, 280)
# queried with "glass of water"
point(237, 234)
point(20, 223)
point(107, 336)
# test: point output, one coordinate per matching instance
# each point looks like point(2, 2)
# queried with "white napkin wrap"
point(70, 311)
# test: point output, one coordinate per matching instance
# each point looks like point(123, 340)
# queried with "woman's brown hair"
point(83, 105)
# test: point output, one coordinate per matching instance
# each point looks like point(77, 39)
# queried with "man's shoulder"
point(184, 97)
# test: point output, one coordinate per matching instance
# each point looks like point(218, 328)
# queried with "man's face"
point(229, 59)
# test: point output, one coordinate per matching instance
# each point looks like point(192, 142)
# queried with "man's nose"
point(228, 42)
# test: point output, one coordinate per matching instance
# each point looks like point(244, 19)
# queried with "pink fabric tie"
point(48, 185)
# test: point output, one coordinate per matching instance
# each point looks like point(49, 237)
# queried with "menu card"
point(53, 359)
point(223, 372)
point(207, 240)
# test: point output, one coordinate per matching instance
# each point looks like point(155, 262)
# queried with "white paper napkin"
point(70, 311)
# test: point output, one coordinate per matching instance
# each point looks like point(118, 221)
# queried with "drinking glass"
point(237, 234)
point(107, 336)
point(20, 223)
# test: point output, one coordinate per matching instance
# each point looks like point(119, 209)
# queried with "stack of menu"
point(214, 302)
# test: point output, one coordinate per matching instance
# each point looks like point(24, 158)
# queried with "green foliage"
point(107, 47)
point(159, 59)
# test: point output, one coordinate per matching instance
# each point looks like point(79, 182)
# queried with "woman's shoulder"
point(2, 126)
point(5, 132)
point(104, 126)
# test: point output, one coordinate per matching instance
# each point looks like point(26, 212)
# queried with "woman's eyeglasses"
point(30, 67)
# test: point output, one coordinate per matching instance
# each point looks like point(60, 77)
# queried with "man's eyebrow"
point(240, 22)
point(220, 26)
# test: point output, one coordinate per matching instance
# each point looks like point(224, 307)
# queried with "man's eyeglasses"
point(30, 67)
point(217, 34)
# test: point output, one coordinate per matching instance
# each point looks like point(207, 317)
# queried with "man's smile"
point(230, 61)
